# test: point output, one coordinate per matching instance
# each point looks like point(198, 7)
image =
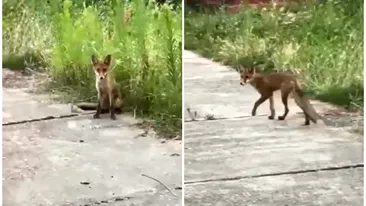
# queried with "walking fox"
point(268, 83)
point(109, 98)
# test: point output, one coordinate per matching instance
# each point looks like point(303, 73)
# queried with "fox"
point(109, 98)
point(267, 83)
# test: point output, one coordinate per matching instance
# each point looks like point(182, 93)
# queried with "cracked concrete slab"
point(83, 161)
point(247, 146)
point(19, 105)
point(327, 188)
point(234, 144)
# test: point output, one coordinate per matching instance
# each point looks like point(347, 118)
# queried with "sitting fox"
point(267, 83)
point(109, 98)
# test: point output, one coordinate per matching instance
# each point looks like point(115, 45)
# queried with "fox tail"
point(87, 105)
point(303, 102)
point(93, 106)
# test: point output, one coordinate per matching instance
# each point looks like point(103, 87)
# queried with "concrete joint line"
point(276, 174)
point(40, 119)
point(224, 118)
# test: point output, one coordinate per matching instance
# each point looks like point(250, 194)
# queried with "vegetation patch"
point(144, 39)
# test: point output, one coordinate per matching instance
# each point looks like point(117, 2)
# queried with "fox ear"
point(239, 69)
point(107, 59)
point(94, 59)
point(253, 70)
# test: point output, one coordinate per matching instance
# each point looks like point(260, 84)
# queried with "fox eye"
point(104, 70)
point(97, 69)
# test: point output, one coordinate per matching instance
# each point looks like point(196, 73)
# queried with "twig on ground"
point(193, 117)
point(143, 134)
point(160, 183)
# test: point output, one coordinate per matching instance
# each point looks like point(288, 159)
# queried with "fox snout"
point(242, 82)
point(100, 76)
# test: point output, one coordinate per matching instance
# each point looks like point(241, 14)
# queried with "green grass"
point(146, 51)
point(322, 43)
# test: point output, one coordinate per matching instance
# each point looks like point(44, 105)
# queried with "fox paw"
point(113, 117)
point(96, 116)
point(270, 117)
point(281, 118)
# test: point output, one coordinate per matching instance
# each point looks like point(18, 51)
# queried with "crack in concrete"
point(92, 202)
point(41, 119)
point(276, 174)
point(113, 200)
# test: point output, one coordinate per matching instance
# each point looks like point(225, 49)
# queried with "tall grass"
point(322, 43)
point(26, 35)
point(144, 40)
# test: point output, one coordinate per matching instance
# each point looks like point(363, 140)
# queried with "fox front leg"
point(112, 101)
point(271, 107)
point(259, 102)
point(99, 109)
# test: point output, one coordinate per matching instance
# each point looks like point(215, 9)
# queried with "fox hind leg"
point(307, 120)
point(304, 109)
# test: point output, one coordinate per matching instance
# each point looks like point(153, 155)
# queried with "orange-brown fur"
point(267, 83)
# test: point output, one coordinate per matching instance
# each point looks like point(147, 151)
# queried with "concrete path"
point(232, 158)
point(81, 161)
